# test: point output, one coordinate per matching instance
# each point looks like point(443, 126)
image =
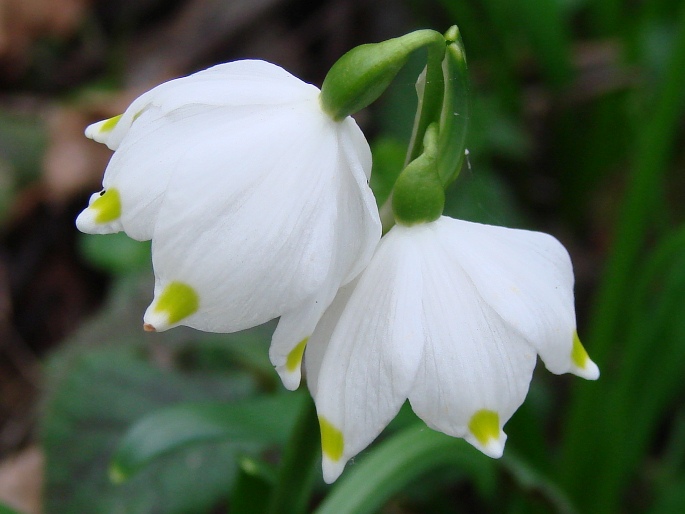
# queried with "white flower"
point(256, 201)
point(450, 315)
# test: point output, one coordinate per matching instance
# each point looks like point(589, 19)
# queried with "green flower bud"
point(418, 195)
point(361, 75)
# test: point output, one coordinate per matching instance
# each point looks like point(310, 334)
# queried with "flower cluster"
point(253, 187)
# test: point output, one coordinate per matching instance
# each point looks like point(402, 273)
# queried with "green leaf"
point(672, 498)
point(399, 460)
point(255, 420)
point(299, 467)
point(94, 397)
point(253, 487)
point(531, 481)
point(388, 161)
point(116, 253)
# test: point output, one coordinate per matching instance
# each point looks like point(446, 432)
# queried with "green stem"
point(298, 469)
point(430, 103)
point(428, 111)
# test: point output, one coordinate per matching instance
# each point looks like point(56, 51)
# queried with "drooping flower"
point(450, 315)
point(256, 201)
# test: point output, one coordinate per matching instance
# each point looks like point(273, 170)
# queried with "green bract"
point(360, 76)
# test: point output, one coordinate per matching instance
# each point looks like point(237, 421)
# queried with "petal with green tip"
point(176, 302)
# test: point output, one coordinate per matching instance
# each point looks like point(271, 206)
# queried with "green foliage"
point(92, 404)
point(116, 253)
point(399, 460)
point(166, 431)
point(594, 152)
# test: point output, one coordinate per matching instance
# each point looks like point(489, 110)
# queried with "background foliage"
point(577, 130)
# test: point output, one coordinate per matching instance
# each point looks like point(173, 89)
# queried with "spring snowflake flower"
point(450, 315)
point(257, 202)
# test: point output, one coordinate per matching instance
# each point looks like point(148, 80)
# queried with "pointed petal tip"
point(581, 364)
point(331, 469)
point(590, 371)
point(176, 302)
point(291, 379)
point(154, 321)
point(99, 131)
point(332, 450)
point(289, 367)
point(87, 222)
point(493, 447)
point(486, 434)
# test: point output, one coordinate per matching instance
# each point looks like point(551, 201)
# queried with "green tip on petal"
point(332, 442)
point(177, 301)
point(486, 433)
point(295, 356)
point(109, 124)
point(107, 207)
point(484, 426)
point(583, 365)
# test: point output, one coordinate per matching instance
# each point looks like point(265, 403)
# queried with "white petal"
point(248, 82)
point(292, 335)
point(472, 360)
point(357, 229)
point(526, 277)
point(263, 211)
point(371, 358)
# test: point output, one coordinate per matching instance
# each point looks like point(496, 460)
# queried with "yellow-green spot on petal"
point(579, 355)
point(107, 206)
point(484, 426)
point(332, 443)
point(177, 301)
point(295, 356)
point(109, 124)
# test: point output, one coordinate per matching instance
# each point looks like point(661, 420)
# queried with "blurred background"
point(576, 130)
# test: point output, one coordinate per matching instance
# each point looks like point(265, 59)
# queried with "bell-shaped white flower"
point(450, 315)
point(256, 201)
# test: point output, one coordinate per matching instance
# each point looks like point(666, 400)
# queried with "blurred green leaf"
point(265, 420)
point(98, 394)
point(671, 500)
point(399, 460)
point(531, 481)
point(253, 487)
point(388, 162)
point(642, 207)
point(546, 29)
point(116, 253)
point(483, 197)
point(299, 466)
point(648, 379)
